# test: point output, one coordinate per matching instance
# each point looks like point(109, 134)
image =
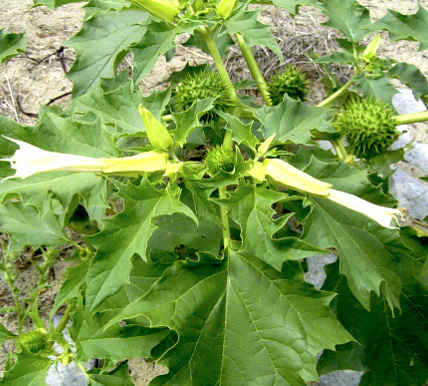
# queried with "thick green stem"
point(254, 69)
point(207, 36)
point(412, 118)
point(340, 149)
point(64, 320)
point(337, 94)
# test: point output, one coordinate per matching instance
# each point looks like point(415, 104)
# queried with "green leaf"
point(118, 377)
point(368, 252)
point(188, 121)
point(239, 323)
point(4, 333)
point(54, 3)
point(347, 16)
point(342, 57)
point(293, 6)
point(117, 343)
point(204, 208)
point(378, 88)
point(395, 348)
point(126, 234)
point(75, 278)
point(405, 27)
point(119, 107)
point(25, 227)
point(254, 32)
point(411, 76)
point(292, 121)
point(157, 40)
point(157, 101)
point(65, 136)
point(11, 45)
point(96, 6)
point(180, 232)
point(29, 370)
point(62, 187)
point(251, 208)
point(241, 132)
point(101, 45)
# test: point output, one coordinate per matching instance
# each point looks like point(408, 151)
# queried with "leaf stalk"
point(254, 69)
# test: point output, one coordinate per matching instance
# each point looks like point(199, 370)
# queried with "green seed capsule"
point(220, 158)
point(291, 82)
point(369, 126)
point(203, 84)
point(35, 341)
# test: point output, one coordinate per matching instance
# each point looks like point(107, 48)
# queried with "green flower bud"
point(226, 7)
point(369, 53)
point(157, 133)
point(35, 341)
point(203, 84)
point(264, 147)
point(220, 158)
point(368, 125)
point(291, 81)
point(163, 9)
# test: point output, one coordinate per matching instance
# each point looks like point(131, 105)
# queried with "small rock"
point(410, 193)
point(418, 155)
point(405, 103)
point(341, 378)
point(316, 274)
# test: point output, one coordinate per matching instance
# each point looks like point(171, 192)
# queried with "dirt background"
point(38, 77)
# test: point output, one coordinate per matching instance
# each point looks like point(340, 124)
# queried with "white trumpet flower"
point(29, 160)
point(380, 214)
point(288, 175)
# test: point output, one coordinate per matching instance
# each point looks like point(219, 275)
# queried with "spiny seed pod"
point(201, 85)
point(220, 158)
point(291, 81)
point(35, 341)
point(368, 125)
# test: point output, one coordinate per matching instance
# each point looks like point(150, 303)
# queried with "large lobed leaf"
point(240, 322)
point(57, 134)
point(347, 16)
point(251, 208)
point(368, 253)
point(406, 27)
point(127, 234)
point(100, 46)
point(254, 32)
point(292, 121)
point(393, 349)
point(29, 370)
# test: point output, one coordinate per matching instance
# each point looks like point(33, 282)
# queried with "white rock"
point(410, 193)
point(405, 103)
point(418, 155)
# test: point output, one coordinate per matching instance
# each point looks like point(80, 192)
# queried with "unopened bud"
point(163, 9)
point(157, 133)
point(226, 7)
point(370, 52)
point(264, 147)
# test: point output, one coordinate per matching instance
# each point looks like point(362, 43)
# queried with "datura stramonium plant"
point(29, 160)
